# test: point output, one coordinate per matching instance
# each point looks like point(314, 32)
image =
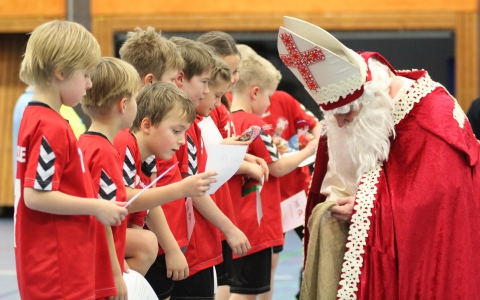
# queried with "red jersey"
point(174, 211)
point(221, 118)
point(269, 233)
point(55, 254)
point(133, 177)
point(284, 110)
point(105, 165)
point(204, 249)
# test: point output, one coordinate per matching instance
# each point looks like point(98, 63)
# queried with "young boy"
point(111, 106)
point(252, 273)
point(157, 59)
point(204, 250)
point(154, 57)
point(55, 239)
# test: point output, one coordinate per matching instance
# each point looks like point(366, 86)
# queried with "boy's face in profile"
point(262, 100)
point(130, 107)
point(166, 137)
point(195, 88)
point(212, 99)
point(72, 89)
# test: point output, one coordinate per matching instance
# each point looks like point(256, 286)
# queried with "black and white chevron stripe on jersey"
point(45, 167)
point(129, 170)
point(268, 141)
point(149, 166)
point(107, 189)
point(192, 156)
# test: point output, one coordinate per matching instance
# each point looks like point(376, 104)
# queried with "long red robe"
point(415, 231)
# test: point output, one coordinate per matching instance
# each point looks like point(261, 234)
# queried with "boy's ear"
point(58, 73)
point(254, 92)
point(180, 79)
point(145, 126)
point(148, 79)
point(121, 105)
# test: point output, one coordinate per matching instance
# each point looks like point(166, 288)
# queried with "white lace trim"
point(332, 92)
point(417, 91)
point(458, 113)
point(359, 226)
point(360, 223)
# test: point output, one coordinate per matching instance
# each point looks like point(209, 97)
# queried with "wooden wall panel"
point(147, 7)
point(13, 46)
point(32, 8)
point(464, 25)
point(466, 59)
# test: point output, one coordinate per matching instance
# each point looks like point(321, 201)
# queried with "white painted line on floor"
point(284, 277)
point(8, 273)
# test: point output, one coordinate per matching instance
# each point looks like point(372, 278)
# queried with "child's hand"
point(121, 287)
point(110, 213)
point(126, 267)
point(312, 145)
point(197, 185)
point(255, 172)
point(238, 241)
point(177, 266)
point(234, 141)
point(261, 162)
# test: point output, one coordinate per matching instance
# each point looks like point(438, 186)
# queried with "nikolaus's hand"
point(344, 209)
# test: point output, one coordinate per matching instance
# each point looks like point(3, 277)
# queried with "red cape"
point(416, 225)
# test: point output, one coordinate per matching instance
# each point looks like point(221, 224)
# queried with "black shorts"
point(199, 286)
point(157, 278)
point(277, 249)
point(251, 273)
point(225, 268)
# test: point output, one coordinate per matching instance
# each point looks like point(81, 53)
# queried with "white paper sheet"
point(138, 287)
point(210, 133)
point(306, 162)
point(293, 211)
point(225, 159)
point(259, 206)
point(149, 186)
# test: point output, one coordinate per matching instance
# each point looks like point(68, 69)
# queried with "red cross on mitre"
point(301, 60)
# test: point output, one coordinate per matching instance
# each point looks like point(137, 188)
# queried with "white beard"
point(359, 145)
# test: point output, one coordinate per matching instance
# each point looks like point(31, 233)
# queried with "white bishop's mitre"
point(332, 73)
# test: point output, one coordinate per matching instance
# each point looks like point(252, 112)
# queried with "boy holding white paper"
point(251, 97)
point(204, 250)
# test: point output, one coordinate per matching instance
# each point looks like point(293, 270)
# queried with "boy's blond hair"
point(221, 73)
point(156, 100)
point(199, 58)
point(62, 45)
point(150, 53)
point(255, 71)
point(112, 80)
point(246, 50)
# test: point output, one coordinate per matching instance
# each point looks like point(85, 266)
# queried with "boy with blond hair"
point(251, 97)
point(204, 250)
point(111, 106)
point(158, 59)
point(55, 204)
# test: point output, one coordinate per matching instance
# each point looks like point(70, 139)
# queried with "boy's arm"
point(177, 266)
point(120, 285)
point(192, 186)
point(251, 170)
point(210, 211)
point(56, 202)
point(286, 164)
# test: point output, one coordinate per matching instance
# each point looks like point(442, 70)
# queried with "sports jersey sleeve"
point(48, 155)
point(265, 148)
